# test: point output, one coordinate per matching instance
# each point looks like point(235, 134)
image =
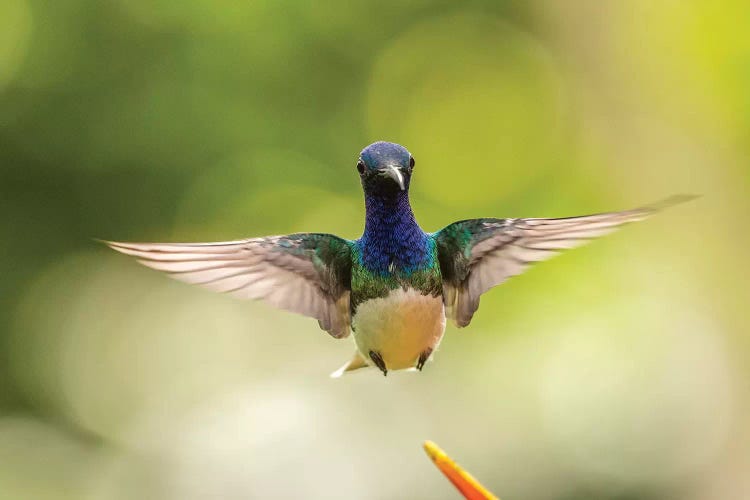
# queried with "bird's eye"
point(361, 167)
point(411, 161)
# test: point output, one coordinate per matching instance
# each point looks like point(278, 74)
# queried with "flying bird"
point(394, 287)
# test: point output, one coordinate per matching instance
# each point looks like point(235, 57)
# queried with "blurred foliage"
point(616, 371)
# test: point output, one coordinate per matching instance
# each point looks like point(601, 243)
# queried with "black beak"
point(394, 173)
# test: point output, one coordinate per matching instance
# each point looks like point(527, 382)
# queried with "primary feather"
point(307, 273)
point(478, 254)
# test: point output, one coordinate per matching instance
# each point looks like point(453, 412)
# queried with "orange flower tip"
point(432, 450)
point(469, 487)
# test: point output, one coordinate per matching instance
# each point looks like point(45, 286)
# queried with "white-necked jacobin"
point(392, 288)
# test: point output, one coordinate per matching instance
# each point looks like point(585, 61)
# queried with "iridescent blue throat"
point(393, 242)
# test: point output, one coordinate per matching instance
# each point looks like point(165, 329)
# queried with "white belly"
point(400, 327)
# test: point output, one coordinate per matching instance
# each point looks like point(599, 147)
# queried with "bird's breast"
point(399, 326)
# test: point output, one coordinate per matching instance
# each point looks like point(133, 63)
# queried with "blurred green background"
point(616, 371)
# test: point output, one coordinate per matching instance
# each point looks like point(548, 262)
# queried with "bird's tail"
point(355, 363)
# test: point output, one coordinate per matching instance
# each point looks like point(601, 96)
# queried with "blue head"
point(392, 239)
point(385, 169)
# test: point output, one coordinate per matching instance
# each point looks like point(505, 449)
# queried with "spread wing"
point(478, 254)
point(307, 273)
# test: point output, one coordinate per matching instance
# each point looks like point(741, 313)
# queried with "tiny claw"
point(423, 359)
point(378, 360)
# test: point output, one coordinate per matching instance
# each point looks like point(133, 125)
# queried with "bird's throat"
point(392, 240)
point(386, 215)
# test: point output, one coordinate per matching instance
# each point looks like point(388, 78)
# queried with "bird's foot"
point(378, 360)
point(423, 358)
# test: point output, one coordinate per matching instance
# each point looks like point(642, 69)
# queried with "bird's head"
point(385, 169)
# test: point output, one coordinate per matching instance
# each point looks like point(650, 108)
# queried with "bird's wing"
point(307, 273)
point(478, 254)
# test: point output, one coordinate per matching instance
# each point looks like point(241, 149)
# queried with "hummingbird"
point(393, 288)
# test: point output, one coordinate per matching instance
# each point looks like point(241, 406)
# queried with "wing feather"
point(478, 254)
point(307, 273)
